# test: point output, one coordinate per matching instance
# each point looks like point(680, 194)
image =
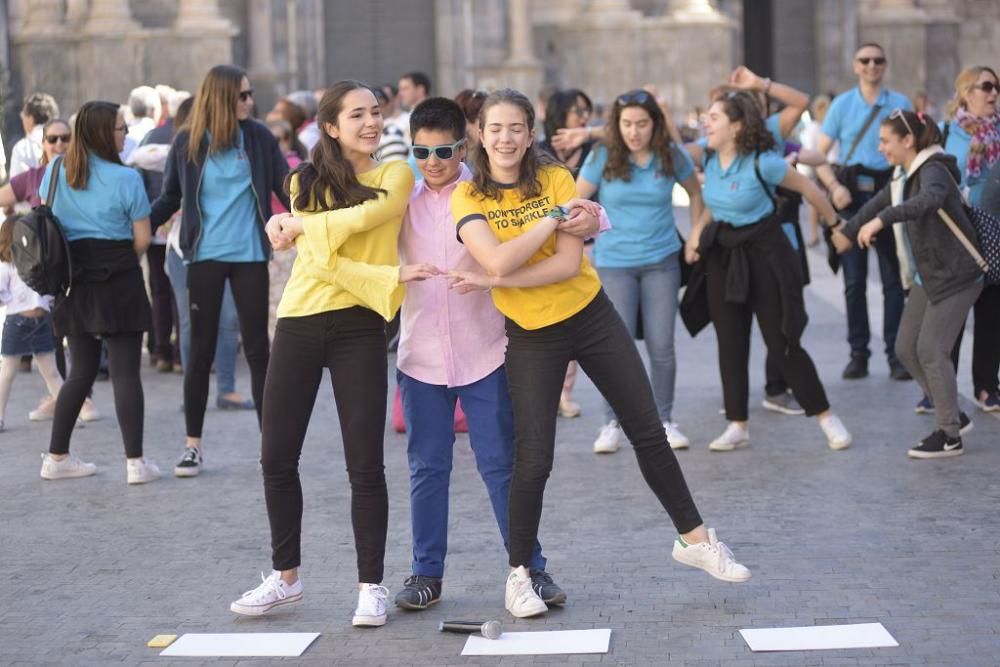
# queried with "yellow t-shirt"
point(531, 307)
point(347, 257)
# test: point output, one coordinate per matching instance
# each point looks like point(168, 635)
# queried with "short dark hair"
point(419, 79)
point(923, 128)
point(41, 107)
point(438, 113)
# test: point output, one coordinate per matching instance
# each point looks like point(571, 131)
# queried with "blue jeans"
point(430, 420)
point(226, 346)
point(855, 263)
point(655, 288)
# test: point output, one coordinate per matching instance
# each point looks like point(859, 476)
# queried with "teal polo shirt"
point(735, 194)
point(641, 211)
point(846, 117)
point(112, 200)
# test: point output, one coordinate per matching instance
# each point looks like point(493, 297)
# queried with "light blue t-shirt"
point(735, 194)
point(106, 208)
point(773, 125)
point(229, 230)
point(958, 145)
point(641, 210)
point(847, 115)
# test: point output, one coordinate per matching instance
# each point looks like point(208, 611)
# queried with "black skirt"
point(108, 295)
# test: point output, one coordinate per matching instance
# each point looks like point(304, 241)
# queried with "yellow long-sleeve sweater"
point(347, 257)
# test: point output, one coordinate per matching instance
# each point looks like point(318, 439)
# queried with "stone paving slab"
point(93, 568)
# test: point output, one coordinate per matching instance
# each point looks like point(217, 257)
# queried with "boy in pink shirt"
point(451, 347)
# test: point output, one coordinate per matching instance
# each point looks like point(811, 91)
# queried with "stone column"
point(262, 72)
point(43, 17)
point(77, 12)
point(110, 17)
point(522, 70)
point(943, 40)
point(201, 16)
point(200, 39)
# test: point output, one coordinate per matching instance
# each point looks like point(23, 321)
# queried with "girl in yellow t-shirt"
point(346, 213)
point(556, 312)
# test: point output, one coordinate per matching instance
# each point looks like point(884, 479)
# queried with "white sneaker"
point(141, 471)
point(69, 468)
point(734, 437)
point(677, 439)
point(46, 410)
point(520, 598)
point(837, 435)
point(272, 593)
point(609, 439)
point(713, 556)
point(371, 606)
point(89, 412)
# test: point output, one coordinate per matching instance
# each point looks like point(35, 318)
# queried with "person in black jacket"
point(223, 166)
point(945, 273)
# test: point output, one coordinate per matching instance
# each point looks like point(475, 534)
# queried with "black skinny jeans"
point(536, 363)
point(351, 344)
point(164, 308)
point(206, 282)
point(732, 331)
point(124, 359)
point(986, 340)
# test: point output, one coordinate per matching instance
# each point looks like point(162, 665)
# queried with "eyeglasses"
point(245, 95)
point(123, 129)
point(580, 111)
point(443, 152)
point(898, 113)
point(877, 61)
point(638, 97)
point(987, 87)
point(53, 138)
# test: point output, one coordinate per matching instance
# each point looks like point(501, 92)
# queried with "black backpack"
point(39, 247)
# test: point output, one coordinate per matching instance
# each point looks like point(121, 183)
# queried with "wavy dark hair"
point(527, 181)
point(328, 180)
point(619, 167)
point(557, 108)
point(93, 132)
point(923, 128)
point(741, 107)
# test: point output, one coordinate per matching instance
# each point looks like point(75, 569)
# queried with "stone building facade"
point(86, 49)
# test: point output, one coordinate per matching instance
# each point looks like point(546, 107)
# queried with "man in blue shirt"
point(853, 121)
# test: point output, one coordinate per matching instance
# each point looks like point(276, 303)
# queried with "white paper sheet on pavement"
point(820, 637)
point(541, 643)
point(243, 644)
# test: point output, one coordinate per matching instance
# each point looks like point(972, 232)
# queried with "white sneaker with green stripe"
point(713, 556)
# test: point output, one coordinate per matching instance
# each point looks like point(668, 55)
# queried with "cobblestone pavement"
point(91, 569)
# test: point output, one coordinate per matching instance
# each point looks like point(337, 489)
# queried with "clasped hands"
point(866, 236)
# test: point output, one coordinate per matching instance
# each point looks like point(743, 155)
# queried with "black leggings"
point(351, 344)
point(536, 363)
point(206, 282)
point(732, 330)
point(124, 359)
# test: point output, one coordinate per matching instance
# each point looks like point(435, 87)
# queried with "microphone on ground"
point(489, 629)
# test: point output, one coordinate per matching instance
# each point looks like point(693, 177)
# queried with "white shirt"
point(139, 129)
point(17, 296)
point(26, 153)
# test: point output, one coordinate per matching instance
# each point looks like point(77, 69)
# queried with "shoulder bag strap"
point(763, 183)
point(53, 181)
point(861, 134)
point(964, 240)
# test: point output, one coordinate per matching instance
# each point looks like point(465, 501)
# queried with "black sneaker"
point(965, 424)
point(935, 446)
point(545, 588)
point(897, 371)
point(856, 368)
point(783, 403)
point(190, 463)
point(419, 592)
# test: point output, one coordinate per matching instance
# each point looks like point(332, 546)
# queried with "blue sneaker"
point(991, 403)
point(924, 407)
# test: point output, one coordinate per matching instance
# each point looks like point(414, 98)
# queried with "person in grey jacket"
point(946, 277)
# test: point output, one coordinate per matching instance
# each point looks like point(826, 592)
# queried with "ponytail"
point(923, 128)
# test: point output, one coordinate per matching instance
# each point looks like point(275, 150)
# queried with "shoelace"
point(371, 602)
point(524, 591)
point(271, 584)
point(726, 557)
point(190, 456)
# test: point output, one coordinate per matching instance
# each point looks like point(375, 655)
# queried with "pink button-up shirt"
point(445, 338)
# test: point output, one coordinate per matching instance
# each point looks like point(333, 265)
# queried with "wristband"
point(767, 85)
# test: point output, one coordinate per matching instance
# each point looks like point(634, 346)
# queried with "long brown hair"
point(923, 128)
point(964, 83)
point(619, 167)
point(93, 132)
point(753, 136)
point(215, 110)
point(328, 180)
point(527, 181)
point(7, 237)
